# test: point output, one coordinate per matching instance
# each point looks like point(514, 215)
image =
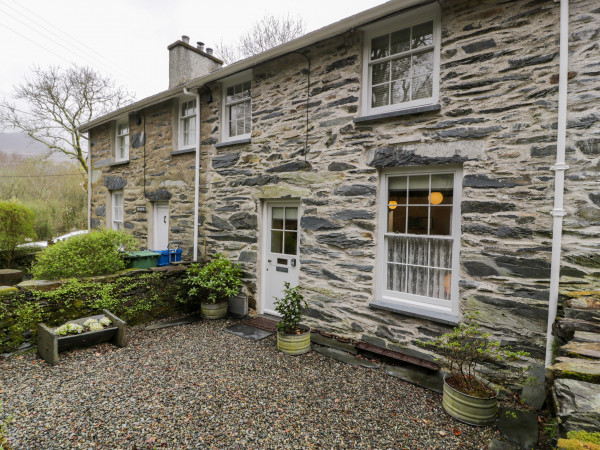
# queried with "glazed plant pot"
point(294, 344)
point(469, 409)
point(213, 311)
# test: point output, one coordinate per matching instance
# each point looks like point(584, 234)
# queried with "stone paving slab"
point(318, 338)
point(519, 427)
point(174, 322)
point(419, 376)
point(345, 357)
point(247, 332)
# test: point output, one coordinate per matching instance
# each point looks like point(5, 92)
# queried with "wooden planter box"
point(49, 344)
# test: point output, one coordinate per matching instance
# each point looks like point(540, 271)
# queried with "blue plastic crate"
point(168, 256)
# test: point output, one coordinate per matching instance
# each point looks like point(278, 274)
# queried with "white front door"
point(281, 260)
point(161, 226)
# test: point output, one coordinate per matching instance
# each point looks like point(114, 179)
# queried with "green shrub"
point(85, 255)
point(292, 307)
point(16, 225)
point(215, 282)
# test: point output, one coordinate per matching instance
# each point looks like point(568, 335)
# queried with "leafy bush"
point(215, 282)
point(464, 349)
point(16, 225)
point(292, 307)
point(85, 255)
point(4, 422)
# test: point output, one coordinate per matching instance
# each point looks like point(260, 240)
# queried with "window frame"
point(233, 81)
point(388, 26)
point(113, 206)
point(422, 306)
point(180, 123)
point(118, 137)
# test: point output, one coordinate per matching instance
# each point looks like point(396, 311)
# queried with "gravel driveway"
point(198, 386)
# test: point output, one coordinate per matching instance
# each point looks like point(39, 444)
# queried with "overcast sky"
point(128, 39)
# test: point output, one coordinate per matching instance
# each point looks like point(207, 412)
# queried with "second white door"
point(161, 226)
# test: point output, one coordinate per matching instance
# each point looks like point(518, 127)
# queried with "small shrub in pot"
point(292, 338)
point(467, 396)
point(213, 284)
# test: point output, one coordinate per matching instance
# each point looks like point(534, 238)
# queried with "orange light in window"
point(393, 204)
point(435, 198)
point(448, 283)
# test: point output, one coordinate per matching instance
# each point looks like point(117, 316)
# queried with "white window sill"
point(119, 163)
point(245, 140)
point(399, 113)
point(183, 151)
point(421, 313)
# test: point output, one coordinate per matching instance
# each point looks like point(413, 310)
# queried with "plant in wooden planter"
point(82, 332)
point(292, 338)
point(467, 397)
point(213, 284)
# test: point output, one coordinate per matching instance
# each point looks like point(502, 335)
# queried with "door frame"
point(264, 237)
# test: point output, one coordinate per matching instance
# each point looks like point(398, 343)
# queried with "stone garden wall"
point(498, 98)
point(135, 296)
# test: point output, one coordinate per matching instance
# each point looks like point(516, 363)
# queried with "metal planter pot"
point(294, 344)
point(469, 409)
point(213, 311)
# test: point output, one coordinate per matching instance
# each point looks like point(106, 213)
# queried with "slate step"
point(345, 357)
point(589, 315)
point(585, 336)
point(317, 338)
point(577, 405)
point(581, 350)
point(589, 302)
point(565, 328)
point(578, 369)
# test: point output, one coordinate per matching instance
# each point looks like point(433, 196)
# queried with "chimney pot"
point(209, 51)
point(185, 39)
point(200, 46)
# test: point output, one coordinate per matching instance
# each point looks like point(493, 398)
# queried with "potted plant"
point(213, 284)
point(467, 397)
point(292, 338)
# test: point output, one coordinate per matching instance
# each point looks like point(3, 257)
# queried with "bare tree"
point(267, 33)
point(60, 100)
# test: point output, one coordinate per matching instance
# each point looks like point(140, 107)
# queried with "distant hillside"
point(19, 144)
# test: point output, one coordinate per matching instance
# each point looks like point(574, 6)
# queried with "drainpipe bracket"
point(559, 212)
point(561, 166)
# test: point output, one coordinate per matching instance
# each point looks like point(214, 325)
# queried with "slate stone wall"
point(497, 118)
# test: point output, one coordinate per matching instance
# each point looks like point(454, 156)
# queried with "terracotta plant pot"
point(469, 409)
point(213, 311)
point(294, 344)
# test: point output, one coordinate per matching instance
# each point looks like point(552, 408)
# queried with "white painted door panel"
point(281, 251)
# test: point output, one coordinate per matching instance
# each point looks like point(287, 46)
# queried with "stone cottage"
point(399, 164)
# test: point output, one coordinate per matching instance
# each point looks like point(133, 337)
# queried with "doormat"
point(263, 323)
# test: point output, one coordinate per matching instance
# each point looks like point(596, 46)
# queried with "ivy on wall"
point(135, 298)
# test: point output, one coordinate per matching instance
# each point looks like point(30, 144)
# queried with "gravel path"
point(198, 386)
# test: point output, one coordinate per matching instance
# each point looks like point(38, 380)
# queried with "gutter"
point(196, 171)
point(559, 174)
point(329, 31)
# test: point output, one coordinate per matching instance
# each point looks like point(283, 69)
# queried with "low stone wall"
point(133, 295)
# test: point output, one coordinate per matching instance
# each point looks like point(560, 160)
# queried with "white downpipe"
point(559, 170)
point(89, 190)
point(196, 171)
